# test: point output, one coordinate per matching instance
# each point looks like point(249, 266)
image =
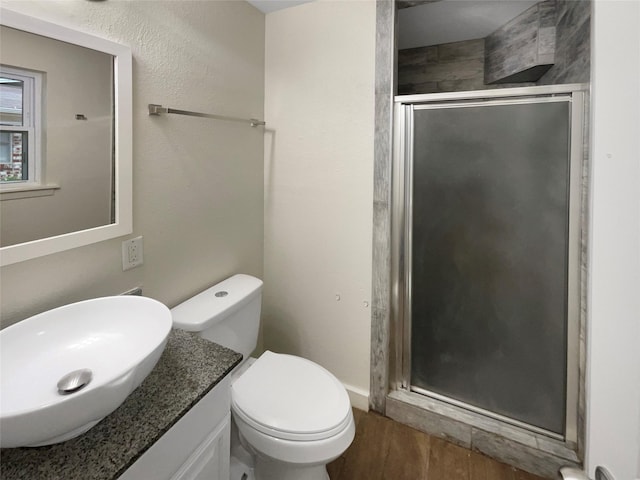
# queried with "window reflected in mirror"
point(18, 157)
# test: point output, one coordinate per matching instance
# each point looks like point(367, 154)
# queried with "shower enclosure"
point(486, 260)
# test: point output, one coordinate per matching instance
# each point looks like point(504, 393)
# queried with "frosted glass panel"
point(489, 258)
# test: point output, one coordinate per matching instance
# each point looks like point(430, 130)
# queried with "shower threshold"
point(486, 413)
point(521, 447)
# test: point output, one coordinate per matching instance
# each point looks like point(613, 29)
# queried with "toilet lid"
point(290, 398)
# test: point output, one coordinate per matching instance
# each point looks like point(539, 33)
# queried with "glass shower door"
point(488, 256)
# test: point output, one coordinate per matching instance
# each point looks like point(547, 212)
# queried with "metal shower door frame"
point(401, 228)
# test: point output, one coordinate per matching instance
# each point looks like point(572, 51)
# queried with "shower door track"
point(401, 249)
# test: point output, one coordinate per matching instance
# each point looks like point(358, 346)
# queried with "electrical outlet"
point(132, 253)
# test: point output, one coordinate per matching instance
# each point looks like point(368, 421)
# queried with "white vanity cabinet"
point(196, 447)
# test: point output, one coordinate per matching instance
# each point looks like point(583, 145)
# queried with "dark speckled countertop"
point(187, 370)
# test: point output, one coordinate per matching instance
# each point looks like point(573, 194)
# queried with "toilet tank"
point(227, 313)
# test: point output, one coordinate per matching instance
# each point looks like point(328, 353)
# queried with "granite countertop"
point(187, 370)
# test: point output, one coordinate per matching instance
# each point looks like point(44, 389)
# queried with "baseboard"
point(359, 398)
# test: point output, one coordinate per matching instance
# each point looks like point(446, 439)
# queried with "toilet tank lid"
point(216, 303)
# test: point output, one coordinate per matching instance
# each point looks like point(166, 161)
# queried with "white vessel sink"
point(118, 339)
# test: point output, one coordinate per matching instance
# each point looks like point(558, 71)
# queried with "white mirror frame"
point(122, 137)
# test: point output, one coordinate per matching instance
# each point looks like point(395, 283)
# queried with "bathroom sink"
point(64, 370)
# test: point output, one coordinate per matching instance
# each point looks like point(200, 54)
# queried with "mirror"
point(65, 149)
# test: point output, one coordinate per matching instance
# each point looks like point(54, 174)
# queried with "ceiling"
point(432, 22)
point(455, 20)
point(268, 6)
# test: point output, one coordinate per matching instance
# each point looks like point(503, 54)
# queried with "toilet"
point(290, 416)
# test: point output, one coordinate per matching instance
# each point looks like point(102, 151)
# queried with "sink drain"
point(74, 381)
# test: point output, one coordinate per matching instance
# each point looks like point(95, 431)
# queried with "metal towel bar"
point(159, 109)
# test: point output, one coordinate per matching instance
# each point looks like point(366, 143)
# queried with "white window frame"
point(31, 123)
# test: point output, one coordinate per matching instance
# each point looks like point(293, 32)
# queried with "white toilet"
point(292, 416)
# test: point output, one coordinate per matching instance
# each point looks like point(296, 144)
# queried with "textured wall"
point(197, 184)
point(319, 105)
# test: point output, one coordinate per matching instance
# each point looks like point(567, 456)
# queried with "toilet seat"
point(291, 398)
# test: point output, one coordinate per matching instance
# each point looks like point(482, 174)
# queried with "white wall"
point(613, 385)
point(198, 184)
point(319, 105)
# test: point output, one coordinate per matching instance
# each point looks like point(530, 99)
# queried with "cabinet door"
point(210, 461)
point(172, 456)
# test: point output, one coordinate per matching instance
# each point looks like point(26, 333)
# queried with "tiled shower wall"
point(523, 49)
point(460, 66)
point(450, 67)
point(573, 44)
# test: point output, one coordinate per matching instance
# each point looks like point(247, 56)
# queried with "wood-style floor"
point(387, 450)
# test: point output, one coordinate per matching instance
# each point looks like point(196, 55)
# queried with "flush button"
point(221, 294)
